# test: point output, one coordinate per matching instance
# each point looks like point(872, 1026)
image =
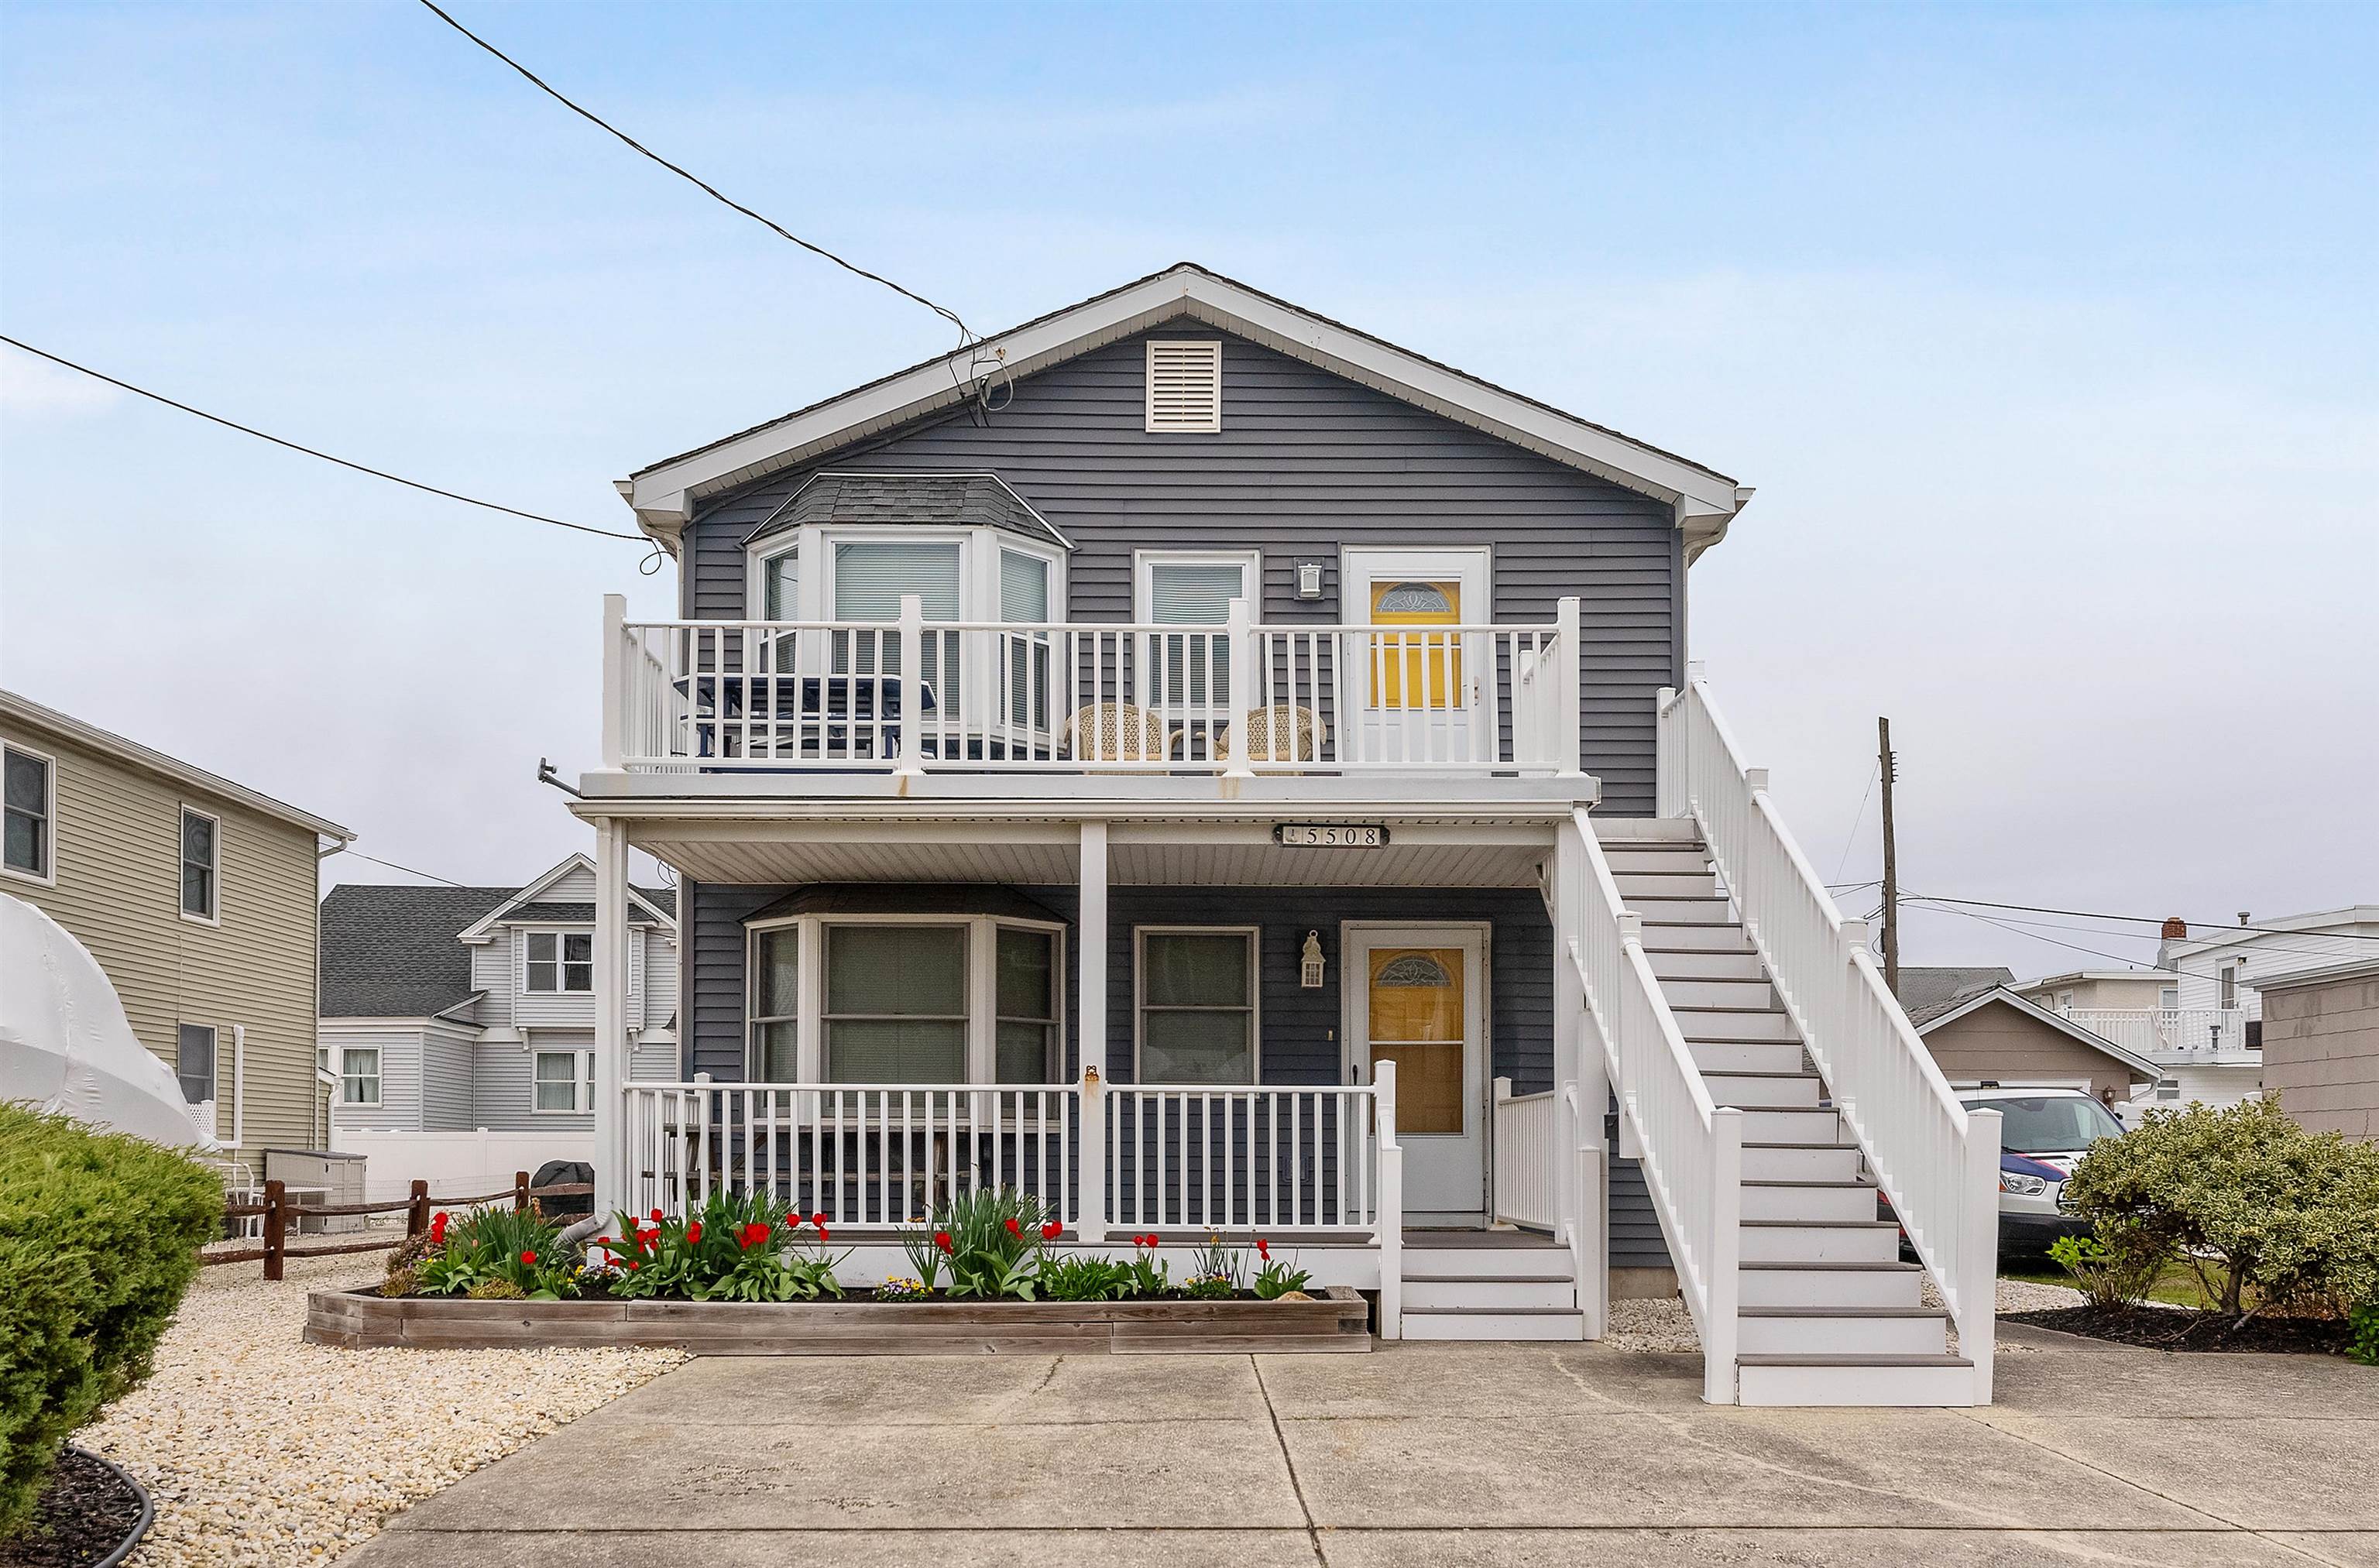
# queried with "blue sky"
point(2046, 333)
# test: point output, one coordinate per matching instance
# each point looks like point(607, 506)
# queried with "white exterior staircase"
point(1827, 1313)
point(1489, 1285)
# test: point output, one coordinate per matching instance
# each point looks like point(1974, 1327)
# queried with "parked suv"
point(2044, 1132)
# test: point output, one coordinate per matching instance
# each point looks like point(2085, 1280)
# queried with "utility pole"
point(1891, 862)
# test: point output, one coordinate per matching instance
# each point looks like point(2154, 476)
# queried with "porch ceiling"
point(1191, 854)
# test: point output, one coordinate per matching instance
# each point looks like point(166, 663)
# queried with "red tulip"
point(821, 1230)
point(1051, 1231)
point(1264, 1249)
point(792, 1222)
point(1014, 1229)
point(632, 1263)
point(656, 1216)
point(694, 1234)
point(818, 1220)
point(528, 1260)
point(942, 1240)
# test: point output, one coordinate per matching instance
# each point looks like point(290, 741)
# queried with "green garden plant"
point(991, 1242)
point(2117, 1273)
point(2248, 1199)
point(517, 1249)
point(1276, 1279)
point(1084, 1278)
point(737, 1247)
point(99, 1237)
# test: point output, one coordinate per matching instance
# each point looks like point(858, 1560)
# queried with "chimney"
point(2177, 929)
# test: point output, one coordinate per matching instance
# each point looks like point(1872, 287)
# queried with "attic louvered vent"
point(1185, 385)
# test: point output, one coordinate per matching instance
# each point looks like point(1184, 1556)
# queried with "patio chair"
point(1282, 732)
point(1115, 732)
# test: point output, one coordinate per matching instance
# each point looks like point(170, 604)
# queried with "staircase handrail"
point(1935, 1159)
point(1689, 1148)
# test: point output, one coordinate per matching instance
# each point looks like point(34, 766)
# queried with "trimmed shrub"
point(99, 1237)
point(2248, 1198)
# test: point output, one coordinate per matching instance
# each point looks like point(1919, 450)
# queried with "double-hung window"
point(33, 810)
point(194, 1061)
point(1025, 655)
point(1197, 1005)
point(1191, 588)
point(565, 1081)
point(777, 574)
point(896, 1004)
point(201, 864)
point(871, 577)
point(1025, 1051)
point(560, 961)
point(359, 1076)
point(776, 1004)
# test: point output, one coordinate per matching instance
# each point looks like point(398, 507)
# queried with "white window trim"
point(1148, 387)
point(757, 556)
point(48, 876)
point(560, 969)
point(582, 1080)
point(982, 988)
point(378, 1075)
point(1254, 934)
point(215, 1059)
point(214, 873)
point(1144, 563)
point(815, 543)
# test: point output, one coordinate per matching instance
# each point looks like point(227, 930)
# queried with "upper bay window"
point(904, 999)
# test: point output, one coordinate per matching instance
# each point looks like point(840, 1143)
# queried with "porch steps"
point(1828, 1314)
point(1498, 1284)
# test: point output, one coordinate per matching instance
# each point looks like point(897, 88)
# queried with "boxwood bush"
point(99, 1237)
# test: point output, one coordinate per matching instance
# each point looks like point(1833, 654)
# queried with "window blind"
point(871, 576)
point(1182, 593)
point(1024, 587)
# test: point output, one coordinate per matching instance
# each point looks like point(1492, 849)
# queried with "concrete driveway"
point(1425, 1453)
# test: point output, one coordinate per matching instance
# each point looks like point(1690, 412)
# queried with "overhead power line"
point(409, 871)
point(310, 452)
point(966, 333)
point(2152, 920)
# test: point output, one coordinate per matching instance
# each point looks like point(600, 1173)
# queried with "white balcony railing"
point(1529, 1169)
point(2169, 1031)
point(966, 696)
point(1145, 1156)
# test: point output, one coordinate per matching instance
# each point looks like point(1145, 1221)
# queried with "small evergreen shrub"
point(98, 1238)
point(2247, 1198)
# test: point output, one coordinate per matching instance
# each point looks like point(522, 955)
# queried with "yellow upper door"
point(1416, 668)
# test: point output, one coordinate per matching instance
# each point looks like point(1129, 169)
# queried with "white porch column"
point(612, 1153)
point(1579, 1071)
point(1091, 1027)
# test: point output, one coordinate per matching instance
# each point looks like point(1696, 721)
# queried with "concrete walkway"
point(1425, 1453)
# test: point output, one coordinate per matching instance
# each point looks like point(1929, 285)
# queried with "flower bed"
point(745, 1273)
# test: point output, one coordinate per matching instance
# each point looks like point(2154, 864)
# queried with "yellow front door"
point(1416, 668)
point(1416, 1020)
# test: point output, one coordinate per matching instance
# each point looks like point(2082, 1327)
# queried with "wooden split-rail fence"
point(277, 1211)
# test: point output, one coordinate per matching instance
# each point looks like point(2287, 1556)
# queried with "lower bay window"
point(905, 999)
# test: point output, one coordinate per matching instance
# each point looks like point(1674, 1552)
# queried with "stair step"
point(1761, 1126)
point(1841, 1330)
point(1808, 1200)
point(1752, 992)
point(1765, 1090)
point(1770, 1284)
point(1694, 937)
point(1683, 909)
point(1512, 1293)
point(1783, 1057)
point(1800, 1162)
point(1734, 1023)
point(1881, 1380)
point(1654, 858)
point(1488, 1324)
point(1499, 1262)
point(1819, 1241)
point(1671, 964)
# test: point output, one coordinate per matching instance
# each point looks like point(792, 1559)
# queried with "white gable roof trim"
point(2091, 1038)
point(664, 496)
point(483, 929)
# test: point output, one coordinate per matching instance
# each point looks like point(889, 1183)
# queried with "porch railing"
point(2169, 1031)
point(965, 697)
point(1137, 1156)
point(1937, 1161)
point(1527, 1168)
point(1690, 1148)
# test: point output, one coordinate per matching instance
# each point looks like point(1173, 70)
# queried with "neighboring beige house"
point(2321, 1046)
point(197, 896)
point(2103, 990)
point(1981, 1030)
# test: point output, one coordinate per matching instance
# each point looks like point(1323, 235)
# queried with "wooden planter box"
point(1338, 1321)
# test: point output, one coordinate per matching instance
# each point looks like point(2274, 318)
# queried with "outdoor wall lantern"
point(1309, 974)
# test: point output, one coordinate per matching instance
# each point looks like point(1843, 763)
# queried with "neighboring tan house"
point(2103, 990)
point(196, 896)
point(1982, 1031)
point(469, 1013)
point(1177, 758)
point(2321, 1045)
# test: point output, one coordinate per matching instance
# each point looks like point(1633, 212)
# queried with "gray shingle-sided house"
point(1220, 770)
point(470, 1012)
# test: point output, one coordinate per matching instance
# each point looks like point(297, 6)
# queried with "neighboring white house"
point(2196, 1015)
point(460, 1022)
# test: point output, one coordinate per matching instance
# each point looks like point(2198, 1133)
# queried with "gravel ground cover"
point(260, 1449)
